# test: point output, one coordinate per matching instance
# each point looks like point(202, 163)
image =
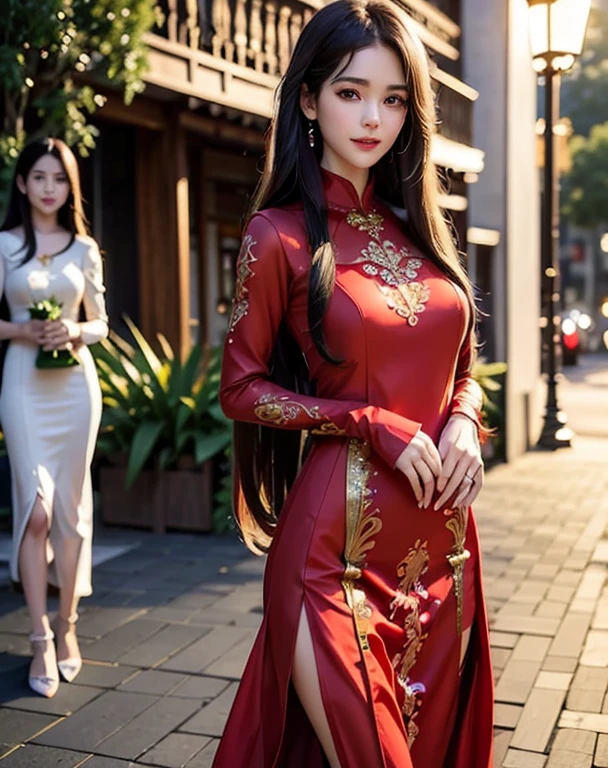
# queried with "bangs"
point(364, 29)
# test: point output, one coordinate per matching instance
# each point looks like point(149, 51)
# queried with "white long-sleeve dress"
point(50, 418)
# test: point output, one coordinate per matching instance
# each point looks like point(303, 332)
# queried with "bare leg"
point(464, 644)
point(305, 678)
point(65, 631)
point(33, 576)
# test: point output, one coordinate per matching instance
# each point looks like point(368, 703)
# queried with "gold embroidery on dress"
point(407, 300)
point(360, 530)
point(403, 292)
point(372, 222)
point(279, 409)
point(457, 524)
point(410, 591)
point(329, 428)
point(240, 304)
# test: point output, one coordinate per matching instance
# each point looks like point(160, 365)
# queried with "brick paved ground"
point(168, 630)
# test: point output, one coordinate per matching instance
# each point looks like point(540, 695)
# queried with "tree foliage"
point(52, 53)
point(585, 188)
point(585, 89)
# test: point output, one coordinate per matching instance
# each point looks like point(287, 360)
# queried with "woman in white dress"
point(50, 417)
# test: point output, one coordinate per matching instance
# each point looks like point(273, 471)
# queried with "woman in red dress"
point(347, 371)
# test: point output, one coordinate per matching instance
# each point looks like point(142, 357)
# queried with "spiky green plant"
point(158, 409)
point(490, 377)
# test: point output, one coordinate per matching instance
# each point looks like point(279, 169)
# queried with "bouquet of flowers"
point(50, 309)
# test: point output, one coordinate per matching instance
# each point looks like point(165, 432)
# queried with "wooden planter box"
point(179, 499)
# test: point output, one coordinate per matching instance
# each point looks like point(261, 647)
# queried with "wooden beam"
point(142, 112)
point(177, 154)
point(434, 15)
point(163, 235)
point(202, 204)
point(216, 128)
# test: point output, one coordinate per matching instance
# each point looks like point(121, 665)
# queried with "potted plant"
point(162, 425)
point(490, 377)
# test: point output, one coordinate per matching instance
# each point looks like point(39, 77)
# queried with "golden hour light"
point(557, 31)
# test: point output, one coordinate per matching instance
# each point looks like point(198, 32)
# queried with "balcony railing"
point(258, 34)
point(261, 34)
point(231, 53)
point(455, 114)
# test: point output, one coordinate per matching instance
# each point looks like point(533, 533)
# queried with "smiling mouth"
point(367, 143)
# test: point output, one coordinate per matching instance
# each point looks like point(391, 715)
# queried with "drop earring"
point(311, 134)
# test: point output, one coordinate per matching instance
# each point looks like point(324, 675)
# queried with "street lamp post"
point(557, 33)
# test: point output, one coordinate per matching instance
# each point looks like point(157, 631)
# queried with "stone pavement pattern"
point(543, 523)
point(168, 629)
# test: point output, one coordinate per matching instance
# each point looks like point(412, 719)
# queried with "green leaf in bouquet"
point(46, 309)
point(49, 359)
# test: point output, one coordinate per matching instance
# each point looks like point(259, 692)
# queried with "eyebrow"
point(361, 81)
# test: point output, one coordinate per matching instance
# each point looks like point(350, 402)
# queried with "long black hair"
point(19, 212)
point(266, 459)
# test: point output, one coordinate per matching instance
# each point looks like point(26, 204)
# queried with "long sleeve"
point(468, 395)
point(96, 326)
point(247, 394)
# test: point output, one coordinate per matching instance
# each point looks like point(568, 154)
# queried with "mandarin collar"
point(340, 193)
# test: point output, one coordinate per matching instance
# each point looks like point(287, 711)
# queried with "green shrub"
point(158, 409)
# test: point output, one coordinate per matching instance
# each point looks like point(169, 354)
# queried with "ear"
point(308, 103)
point(21, 185)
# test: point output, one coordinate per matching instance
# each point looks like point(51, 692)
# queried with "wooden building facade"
point(169, 183)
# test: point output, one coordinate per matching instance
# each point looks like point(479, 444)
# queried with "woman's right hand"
point(420, 462)
point(32, 330)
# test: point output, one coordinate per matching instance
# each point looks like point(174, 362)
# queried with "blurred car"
point(577, 329)
point(570, 341)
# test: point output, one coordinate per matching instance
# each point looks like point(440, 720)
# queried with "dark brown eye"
point(347, 93)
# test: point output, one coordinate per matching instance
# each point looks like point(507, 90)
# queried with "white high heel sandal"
point(69, 668)
point(44, 685)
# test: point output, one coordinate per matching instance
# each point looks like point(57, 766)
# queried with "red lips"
point(48, 200)
point(366, 143)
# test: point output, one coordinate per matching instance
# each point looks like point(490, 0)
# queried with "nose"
point(371, 117)
point(49, 183)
